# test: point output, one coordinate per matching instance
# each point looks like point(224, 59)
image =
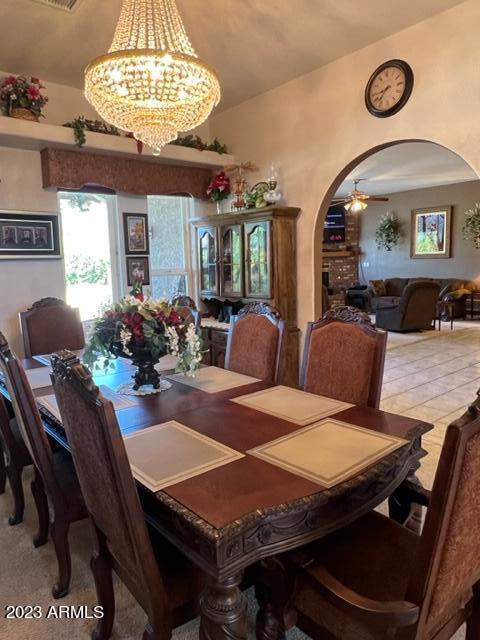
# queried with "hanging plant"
point(471, 225)
point(388, 232)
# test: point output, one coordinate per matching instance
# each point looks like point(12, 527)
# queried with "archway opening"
point(407, 172)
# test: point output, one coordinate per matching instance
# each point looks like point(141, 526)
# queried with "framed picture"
point(135, 228)
point(137, 267)
point(26, 235)
point(431, 232)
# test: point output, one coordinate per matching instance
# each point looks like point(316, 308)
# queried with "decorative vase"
point(141, 357)
point(23, 114)
point(219, 207)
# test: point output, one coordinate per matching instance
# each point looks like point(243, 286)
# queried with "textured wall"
point(465, 260)
point(316, 125)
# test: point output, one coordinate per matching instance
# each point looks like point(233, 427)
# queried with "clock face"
point(389, 88)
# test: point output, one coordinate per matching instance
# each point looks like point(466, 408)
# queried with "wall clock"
point(389, 88)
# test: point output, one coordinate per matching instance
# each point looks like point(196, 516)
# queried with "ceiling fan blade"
point(336, 201)
point(378, 198)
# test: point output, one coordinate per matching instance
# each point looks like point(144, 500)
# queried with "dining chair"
point(377, 579)
point(182, 300)
point(55, 486)
point(255, 343)
point(161, 579)
point(17, 458)
point(190, 316)
point(50, 325)
point(344, 357)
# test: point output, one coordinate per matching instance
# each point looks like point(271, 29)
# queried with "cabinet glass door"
point(231, 265)
point(207, 255)
point(258, 270)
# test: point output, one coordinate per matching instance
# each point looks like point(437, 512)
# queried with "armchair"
point(415, 309)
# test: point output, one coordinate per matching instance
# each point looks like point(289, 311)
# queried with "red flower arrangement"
point(219, 187)
point(19, 92)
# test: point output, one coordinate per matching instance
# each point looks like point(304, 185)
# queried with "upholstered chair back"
point(190, 316)
point(51, 325)
point(106, 480)
point(418, 302)
point(27, 415)
point(255, 343)
point(448, 558)
point(344, 357)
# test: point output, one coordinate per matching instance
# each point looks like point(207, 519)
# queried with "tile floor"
point(433, 376)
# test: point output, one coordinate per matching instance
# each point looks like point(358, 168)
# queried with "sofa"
point(413, 310)
point(454, 290)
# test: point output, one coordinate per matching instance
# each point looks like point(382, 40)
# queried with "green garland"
point(80, 125)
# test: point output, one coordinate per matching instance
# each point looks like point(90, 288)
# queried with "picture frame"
point(431, 235)
point(29, 235)
point(138, 265)
point(135, 230)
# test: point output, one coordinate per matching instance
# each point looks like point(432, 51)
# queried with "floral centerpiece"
point(143, 330)
point(21, 97)
point(219, 188)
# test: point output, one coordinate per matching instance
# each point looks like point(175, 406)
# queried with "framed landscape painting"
point(431, 232)
point(135, 227)
point(29, 235)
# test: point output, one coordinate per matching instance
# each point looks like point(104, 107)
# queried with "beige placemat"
point(328, 452)
point(170, 452)
point(293, 405)
point(213, 379)
point(39, 378)
point(119, 402)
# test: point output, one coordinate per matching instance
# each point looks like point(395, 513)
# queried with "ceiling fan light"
point(356, 205)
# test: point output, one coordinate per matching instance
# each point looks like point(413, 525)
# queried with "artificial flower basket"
point(22, 98)
point(24, 114)
point(143, 330)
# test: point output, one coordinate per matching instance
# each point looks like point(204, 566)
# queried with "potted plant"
point(388, 232)
point(219, 188)
point(143, 330)
point(21, 97)
point(471, 225)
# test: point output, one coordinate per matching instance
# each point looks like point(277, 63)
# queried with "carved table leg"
point(273, 590)
point(223, 610)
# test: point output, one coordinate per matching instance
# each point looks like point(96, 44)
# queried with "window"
point(168, 218)
point(88, 247)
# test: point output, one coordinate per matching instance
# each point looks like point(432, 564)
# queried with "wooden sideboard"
point(251, 256)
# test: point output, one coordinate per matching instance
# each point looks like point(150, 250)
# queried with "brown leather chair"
point(415, 309)
point(12, 445)
point(50, 325)
point(166, 586)
point(343, 357)
point(54, 471)
point(376, 579)
point(255, 343)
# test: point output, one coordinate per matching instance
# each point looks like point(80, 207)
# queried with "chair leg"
point(14, 473)
point(102, 573)
point(41, 503)
point(3, 470)
point(59, 531)
point(473, 622)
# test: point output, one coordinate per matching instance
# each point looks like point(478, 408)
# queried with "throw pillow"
point(378, 287)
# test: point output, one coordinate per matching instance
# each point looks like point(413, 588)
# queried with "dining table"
point(244, 513)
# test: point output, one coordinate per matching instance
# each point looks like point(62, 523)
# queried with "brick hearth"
point(343, 270)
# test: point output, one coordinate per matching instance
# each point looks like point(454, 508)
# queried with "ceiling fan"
point(357, 200)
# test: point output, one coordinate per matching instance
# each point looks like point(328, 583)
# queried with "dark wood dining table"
point(228, 518)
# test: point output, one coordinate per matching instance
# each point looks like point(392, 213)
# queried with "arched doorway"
point(332, 190)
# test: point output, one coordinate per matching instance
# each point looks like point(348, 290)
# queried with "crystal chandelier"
point(151, 81)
